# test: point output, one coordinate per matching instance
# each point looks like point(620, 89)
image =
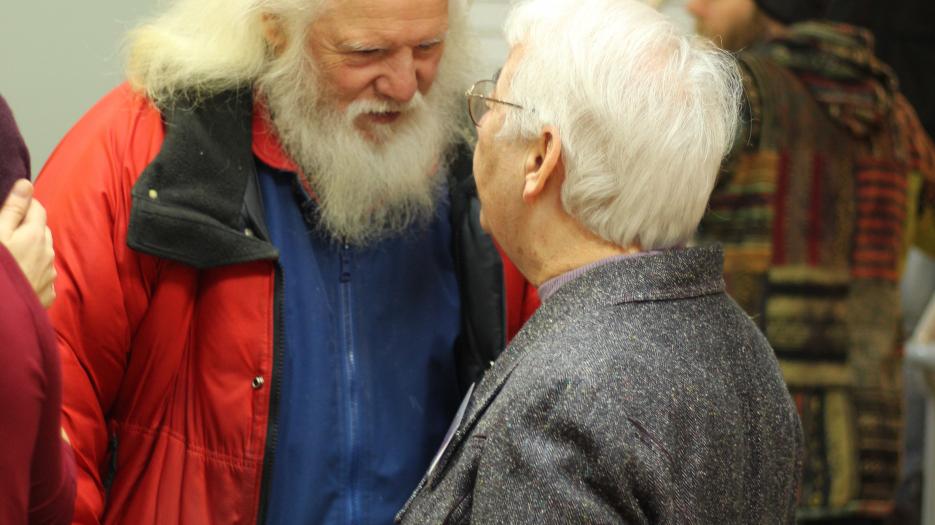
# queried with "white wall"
point(487, 17)
point(675, 10)
point(57, 58)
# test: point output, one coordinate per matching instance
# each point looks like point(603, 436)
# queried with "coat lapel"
point(679, 273)
point(492, 382)
point(483, 394)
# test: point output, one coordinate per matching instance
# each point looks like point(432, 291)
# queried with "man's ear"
point(274, 33)
point(543, 162)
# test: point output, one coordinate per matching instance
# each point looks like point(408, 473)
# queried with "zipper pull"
point(345, 264)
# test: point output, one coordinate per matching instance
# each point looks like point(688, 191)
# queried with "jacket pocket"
point(461, 512)
point(463, 476)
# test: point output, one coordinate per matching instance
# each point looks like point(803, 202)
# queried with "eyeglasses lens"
point(479, 104)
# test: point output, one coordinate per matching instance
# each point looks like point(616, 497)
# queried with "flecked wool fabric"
point(638, 393)
point(14, 157)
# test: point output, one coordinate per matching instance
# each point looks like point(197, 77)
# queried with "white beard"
point(372, 188)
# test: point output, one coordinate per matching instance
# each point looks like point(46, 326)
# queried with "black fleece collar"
point(191, 203)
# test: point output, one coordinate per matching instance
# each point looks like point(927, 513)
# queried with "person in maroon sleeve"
point(14, 157)
point(37, 482)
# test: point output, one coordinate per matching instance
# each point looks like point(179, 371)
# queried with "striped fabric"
point(881, 215)
point(815, 210)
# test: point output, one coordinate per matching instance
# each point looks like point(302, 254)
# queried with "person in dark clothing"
point(36, 466)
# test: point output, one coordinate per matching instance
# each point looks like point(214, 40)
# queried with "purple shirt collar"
point(548, 288)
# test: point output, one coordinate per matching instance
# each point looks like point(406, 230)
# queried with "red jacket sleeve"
point(85, 188)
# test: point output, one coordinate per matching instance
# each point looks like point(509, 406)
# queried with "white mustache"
point(361, 107)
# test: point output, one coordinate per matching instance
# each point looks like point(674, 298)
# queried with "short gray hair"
point(646, 113)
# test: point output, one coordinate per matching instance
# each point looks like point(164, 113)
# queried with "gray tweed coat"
point(638, 393)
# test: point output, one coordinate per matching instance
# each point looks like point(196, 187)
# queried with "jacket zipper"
point(108, 480)
point(272, 429)
point(350, 364)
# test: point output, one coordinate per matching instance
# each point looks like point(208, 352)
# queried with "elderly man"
point(272, 286)
point(639, 392)
point(812, 211)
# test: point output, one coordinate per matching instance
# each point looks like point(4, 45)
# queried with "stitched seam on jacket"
point(210, 455)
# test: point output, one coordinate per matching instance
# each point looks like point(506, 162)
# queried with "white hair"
point(645, 113)
point(203, 47)
point(366, 191)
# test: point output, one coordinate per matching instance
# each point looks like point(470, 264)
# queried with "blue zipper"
point(347, 318)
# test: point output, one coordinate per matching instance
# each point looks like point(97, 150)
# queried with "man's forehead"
point(366, 37)
point(367, 24)
point(372, 7)
point(386, 16)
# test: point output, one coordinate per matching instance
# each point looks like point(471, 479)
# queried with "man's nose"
point(400, 81)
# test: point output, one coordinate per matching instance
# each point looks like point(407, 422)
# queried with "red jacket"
point(166, 364)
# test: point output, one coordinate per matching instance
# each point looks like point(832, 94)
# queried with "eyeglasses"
point(478, 100)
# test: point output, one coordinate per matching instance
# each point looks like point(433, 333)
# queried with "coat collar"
point(197, 203)
point(676, 273)
point(666, 275)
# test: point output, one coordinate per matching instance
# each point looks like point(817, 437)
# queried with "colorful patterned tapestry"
point(816, 207)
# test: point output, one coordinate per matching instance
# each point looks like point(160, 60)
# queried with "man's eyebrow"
point(434, 40)
point(357, 46)
point(353, 46)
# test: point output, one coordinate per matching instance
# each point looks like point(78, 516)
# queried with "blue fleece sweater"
point(368, 378)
